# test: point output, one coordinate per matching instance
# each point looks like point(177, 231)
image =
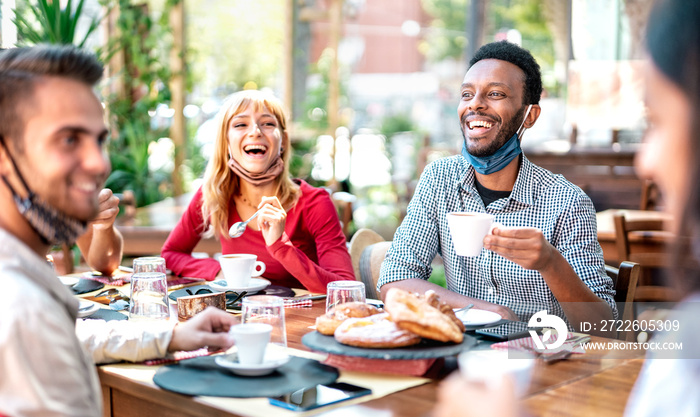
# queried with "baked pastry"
point(422, 315)
point(445, 308)
point(376, 331)
point(327, 323)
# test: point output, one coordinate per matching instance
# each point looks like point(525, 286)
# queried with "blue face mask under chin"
point(503, 156)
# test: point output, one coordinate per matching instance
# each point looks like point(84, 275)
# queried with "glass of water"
point(340, 292)
point(149, 296)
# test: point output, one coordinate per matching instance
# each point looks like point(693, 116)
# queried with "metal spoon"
point(465, 308)
point(238, 228)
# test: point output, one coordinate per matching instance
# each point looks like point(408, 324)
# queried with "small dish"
point(87, 308)
point(255, 285)
point(68, 281)
point(476, 317)
point(272, 361)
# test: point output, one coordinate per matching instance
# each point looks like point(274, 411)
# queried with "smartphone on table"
point(318, 396)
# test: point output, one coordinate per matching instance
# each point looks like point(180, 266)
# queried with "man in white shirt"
point(53, 164)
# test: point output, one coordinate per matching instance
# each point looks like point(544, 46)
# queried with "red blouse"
point(311, 252)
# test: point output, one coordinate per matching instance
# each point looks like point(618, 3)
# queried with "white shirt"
point(45, 368)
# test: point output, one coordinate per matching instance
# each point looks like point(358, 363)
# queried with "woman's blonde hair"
point(220, 182)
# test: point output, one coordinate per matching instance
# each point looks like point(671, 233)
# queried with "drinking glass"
point(149, 264)
point(267, 309)
point(149, 296)
point(339, 292)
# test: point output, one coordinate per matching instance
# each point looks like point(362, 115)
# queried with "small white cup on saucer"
point(492, 366)
point(251, 340)
point(239, 268)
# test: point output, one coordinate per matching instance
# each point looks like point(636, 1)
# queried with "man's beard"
point(503, 136)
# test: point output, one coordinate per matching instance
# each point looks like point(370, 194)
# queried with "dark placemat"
point(277, 290)
point(426, 349)
point(107, 315)
point(202, 376)
point(86, 285)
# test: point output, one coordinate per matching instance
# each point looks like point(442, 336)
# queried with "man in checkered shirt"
point(546, 255)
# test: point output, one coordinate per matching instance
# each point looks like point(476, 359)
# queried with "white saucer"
point(87, 308)
point(68, 281)
point(271, 362)
point(255, 284)
point(476, 317)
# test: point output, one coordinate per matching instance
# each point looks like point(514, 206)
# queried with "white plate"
point(87, 308)
point(476, 317)
point(68, 281)
point(271, 362)
point(255, 284)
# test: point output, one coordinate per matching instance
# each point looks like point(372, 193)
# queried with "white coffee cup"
point(492, 366)
point(251, 339)
point(239, 268)
point(468, 231)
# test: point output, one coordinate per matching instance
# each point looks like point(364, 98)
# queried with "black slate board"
point(107, 315)
point(426, 349)
point(86, 285)
point(202, 376)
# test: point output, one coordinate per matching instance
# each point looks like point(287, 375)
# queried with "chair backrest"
point(647, 290)
point(625, 280)
point(623, 228)
point(370, 264)
point(651, 196)
point(361, 240)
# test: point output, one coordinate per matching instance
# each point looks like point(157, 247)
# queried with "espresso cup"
point(491, 367)
point(239, 268)
point(468, 231)
point(251, 340)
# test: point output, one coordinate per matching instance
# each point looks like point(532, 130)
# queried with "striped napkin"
point(179, 356)
point(299, 303)
point(526, 344)
point(117, 281)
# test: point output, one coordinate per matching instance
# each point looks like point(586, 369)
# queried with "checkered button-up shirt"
point(539, 199)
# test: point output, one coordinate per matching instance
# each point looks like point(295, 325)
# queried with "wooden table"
point(639, 242)
point(597, 382)
point(146, 232)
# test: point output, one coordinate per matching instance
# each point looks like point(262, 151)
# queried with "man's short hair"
point(510, 52)
point(22, 68)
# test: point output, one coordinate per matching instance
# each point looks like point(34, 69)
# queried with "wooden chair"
point(625, 280)
point(647, 289)
point(651, 196)
point(367, 251)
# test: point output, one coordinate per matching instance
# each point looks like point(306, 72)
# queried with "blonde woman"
point(297, 234)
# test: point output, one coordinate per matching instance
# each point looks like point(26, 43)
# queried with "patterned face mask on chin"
point(53, 226)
